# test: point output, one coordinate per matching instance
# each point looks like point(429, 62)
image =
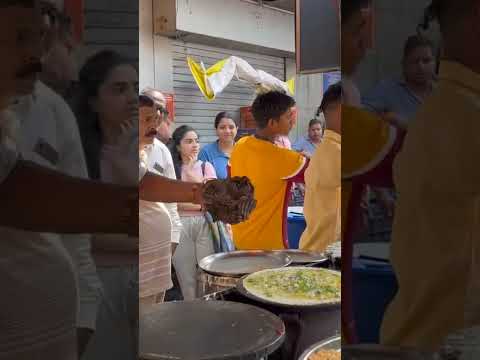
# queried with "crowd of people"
point(392, 147)
point(257, 157)
point(97, 128)
point(93, 130)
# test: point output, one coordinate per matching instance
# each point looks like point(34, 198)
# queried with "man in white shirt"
point(37, 317)
point(160, 225)
point(49, 136)
point(160, 160)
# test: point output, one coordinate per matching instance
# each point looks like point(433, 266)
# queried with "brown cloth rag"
point(230, 200)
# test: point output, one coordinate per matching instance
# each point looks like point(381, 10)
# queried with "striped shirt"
point(160, 225)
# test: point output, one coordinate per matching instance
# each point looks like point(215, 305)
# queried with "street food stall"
point(255, 304)
point(291, 297)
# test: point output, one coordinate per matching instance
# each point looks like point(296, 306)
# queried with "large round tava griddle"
point(327, 304)
point(209, 330)
point(303, 257)
point(239, 263)
point(334, 343)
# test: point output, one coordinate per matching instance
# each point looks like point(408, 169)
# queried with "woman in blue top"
point(218, 153)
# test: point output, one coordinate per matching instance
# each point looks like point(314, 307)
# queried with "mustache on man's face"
point(30, 69)
point(151, 133)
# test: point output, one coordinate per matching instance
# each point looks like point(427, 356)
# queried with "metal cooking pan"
point(242, 290)
point(302, 257)
point(240, 263)
point(209, 330)
point(334, 343)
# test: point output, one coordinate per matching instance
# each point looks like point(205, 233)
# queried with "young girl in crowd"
point(196, 240)
point(107, 111)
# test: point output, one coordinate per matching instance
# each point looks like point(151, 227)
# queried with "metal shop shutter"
point(112, 24)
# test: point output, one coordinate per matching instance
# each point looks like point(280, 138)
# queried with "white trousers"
point(195, 244)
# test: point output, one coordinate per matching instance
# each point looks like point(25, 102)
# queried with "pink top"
point(283, 142)
point(118, 164)
point(200, 175)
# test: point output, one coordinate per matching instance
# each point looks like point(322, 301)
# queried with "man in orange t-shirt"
point(271, 169)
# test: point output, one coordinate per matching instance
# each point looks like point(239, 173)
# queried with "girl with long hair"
point(106, 107)
point(196, 240)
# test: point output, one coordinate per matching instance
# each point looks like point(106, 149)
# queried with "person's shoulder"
point(242, 149)
point(160, 145)
point(245, 140)
point(285, 140)
point(244, 143)
point(41, 98)
point(389, 83)
point(350, 92)
point(447, 102)
point(279, 153)
point(207, 164)
point(200, 164)
point(160, 148)
point(301, 141)
point(48, 95)
point(207, 169)
point(383, 87)
point(365, 128)
point(331, 139)
point(209, 148)
point(359, 115)
point(211, 145)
